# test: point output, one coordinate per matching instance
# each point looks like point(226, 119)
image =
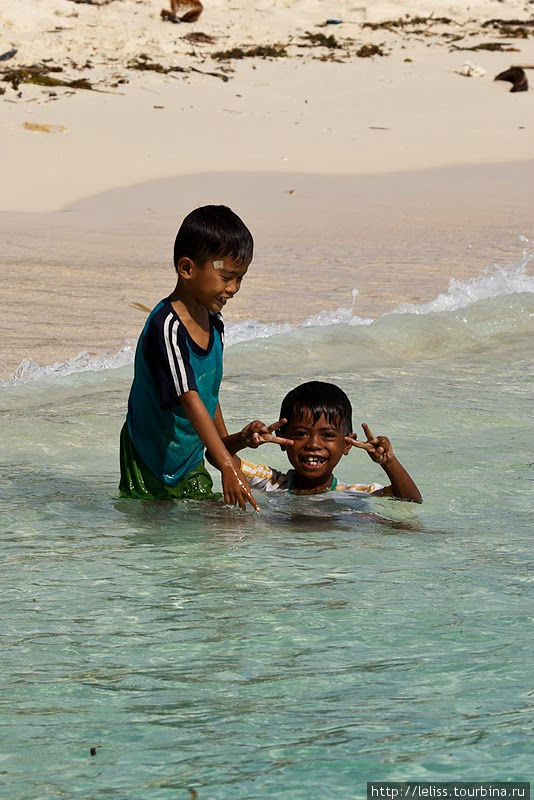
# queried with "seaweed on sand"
point(369, 50)
point(511, 29)
point(258, 51)
point(144, 64)
point(407, 21)
point(499, 47)
point(39, 74)
point(515, 22)
point(321, 40)
point(197, 37)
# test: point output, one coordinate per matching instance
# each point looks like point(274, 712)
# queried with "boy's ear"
point(184, 267)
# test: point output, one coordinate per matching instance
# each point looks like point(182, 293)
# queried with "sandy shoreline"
point(362, 117)
point(388, 174)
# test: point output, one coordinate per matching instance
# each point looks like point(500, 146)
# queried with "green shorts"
point(138, 481)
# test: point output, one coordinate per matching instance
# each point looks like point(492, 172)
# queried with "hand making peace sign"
point(256, 433)
point(378, 448)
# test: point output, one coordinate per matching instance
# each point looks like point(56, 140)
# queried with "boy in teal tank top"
point(173, 407)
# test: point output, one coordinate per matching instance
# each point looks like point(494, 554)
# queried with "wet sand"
point(388, 174)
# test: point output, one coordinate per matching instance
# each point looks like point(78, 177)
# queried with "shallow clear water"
point(300, 652)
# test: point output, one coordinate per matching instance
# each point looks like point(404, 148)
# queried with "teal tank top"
point(168, 363)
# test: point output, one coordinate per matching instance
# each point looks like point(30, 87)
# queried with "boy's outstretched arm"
point(220, 424)
point(254, 434)
point(235, 485)
point(379, 449)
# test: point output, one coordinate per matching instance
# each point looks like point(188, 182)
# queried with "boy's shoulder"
point(158, 315)
point(164, 317)
point(268, 479)
point(218, 323)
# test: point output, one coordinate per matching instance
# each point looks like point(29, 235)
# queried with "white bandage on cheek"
point(218, 264)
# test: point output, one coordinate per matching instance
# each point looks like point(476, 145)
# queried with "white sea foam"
point(29, 370)
point(491, 283)
point(236, 332)
point(247, 330)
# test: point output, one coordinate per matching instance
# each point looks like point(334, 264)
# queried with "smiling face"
point(213, 283)
point(316, 450)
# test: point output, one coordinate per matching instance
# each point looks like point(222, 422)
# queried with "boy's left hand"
point(379, 448)
point(256, 433)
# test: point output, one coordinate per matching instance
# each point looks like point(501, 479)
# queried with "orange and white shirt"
point(268, 479)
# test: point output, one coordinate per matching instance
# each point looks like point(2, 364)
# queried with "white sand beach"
point(360, 137)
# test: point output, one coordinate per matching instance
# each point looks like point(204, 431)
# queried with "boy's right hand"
point(236, 489)
point(257, 432)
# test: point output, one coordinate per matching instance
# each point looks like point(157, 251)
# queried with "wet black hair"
point(213, 232)
point(317, 398)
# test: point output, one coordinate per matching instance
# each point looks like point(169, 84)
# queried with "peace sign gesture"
point(256, 433)
point(378, 448)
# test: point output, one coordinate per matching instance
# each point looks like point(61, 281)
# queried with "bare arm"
point(379, 449)
point(218, 419)
point(254, 434)
point(235, 486)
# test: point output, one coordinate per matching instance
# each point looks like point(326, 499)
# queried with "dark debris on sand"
point(258, 51)
point(495, 47)
point(40, 74)
point(370, 50)
point(143, 63)
point(444, 31)
point(197, 37)
point(322, 40)
point(402, 23)
point(516, 76)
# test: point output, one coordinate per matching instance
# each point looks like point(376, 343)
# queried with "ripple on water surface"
point(323, 643)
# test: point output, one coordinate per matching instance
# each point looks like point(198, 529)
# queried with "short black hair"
point(213, 232)
point(317, 398)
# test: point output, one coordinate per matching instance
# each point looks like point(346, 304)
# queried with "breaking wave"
point(496, 303)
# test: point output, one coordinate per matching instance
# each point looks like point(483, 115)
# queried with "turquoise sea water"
point(303, 651)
